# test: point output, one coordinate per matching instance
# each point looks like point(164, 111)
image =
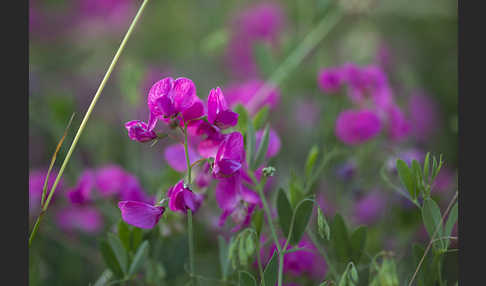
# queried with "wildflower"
point(424, 115)
point(168, 97)
point(357, 126)
point(139, 131)
point(230, 156)
point(330, 79)
point(81, 194)
point(176, 157)
point(369, 208)
point(84, 218)
point(398, 125)
point(140, 214)
point(111, 180)
point(218, 112)
point(181, 198)
point(246, 94)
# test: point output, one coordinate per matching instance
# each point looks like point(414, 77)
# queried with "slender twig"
point(453, 200)
point(87, 115)
point(191, 246)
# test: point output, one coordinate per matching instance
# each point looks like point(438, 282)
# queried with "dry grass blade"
point(53, 160)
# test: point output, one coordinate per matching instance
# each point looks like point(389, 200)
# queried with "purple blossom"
point(139, 131)
point(307, 114)
point(245, 94)
point(230, 156)
point(357, 126)
point(218, 112)
point(140, 214)
point(81, 193)
point(330, 79)
point(168, 98)
point(181, 198)
point(176, 157)
point(398, 125)
point(83, 218)
point(424, 115)
point(273, 142)
point(36, 184)
point(369, 208)
point(111, 180)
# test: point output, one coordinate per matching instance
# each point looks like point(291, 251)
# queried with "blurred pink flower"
point(36, 184)
point(424, 115)
point(82, 218)
point(357, 126)
point(140, 214)
point(245, 94)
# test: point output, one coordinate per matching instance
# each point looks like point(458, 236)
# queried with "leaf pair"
point(293, 222)
point(432, 219)
point(347, 247)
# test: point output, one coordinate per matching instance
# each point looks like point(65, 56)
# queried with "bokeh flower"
point(181, 198)
point(140, 214)
point(139, 131)
point(357, 126)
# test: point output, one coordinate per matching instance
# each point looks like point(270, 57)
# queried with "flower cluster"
point(210, 140)
point(375, 108)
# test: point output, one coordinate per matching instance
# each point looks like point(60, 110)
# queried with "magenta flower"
point(398, 125)
point(273, 142)
point(168, 98)
point(424, 115)
point(139, 131)
point(181, 198)
point(36, 184)
point(218, 112)
point(111, 180)
point(330, 79)
point(236, 200)
point(176, 157)
point(357, 126)
point(82, 218)
point(81, 193)
point(230, 156)
point(209, 146)
point(246, 94)
point(306, 114)
point(140, 214)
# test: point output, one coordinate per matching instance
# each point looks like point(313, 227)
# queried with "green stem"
point(88, 113)
point(188, 161)
point(259, 259)
point(266, 209)
point(191, 246)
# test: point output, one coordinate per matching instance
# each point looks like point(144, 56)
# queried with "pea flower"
point(81, 193)
point(230, 156)
point(36, 184)
point(168, 97)
point(181, 198)
point(209, 146)
point(140, 214)
point(139, 131)
point(82, 218)
point(357, 126)
point(330, 79)
point(368, 208)
point(176, 157)
point(424, 115)
point(398, 125)
point(218, 112)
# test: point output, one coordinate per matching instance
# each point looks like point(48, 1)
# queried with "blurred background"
point(233, 44)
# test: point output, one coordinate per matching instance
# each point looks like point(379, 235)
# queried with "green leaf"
point(284, 211)
point(246, 279)
point(426, 167)
point(271, 271)
point(261, 118)
point(311, 161)
point(262, 149)
point(296, 193)
point(124, 234)
point(242, 255)
point(451, 221)
point(232, 250)
point(120, 252)
point(432, 218)
point(250, 142)
point(322, 225)
point(249, 244)
point(110, 259)
point(214, 41)
point(243, 118)
point(257, 221)
point(353, 273)
point(358, 241)
point(223, 255)
point(417, 174)
point(324, 283)
point(136, 237)
point(340, 239)
point(139, 258)
point(407, 178)
point(302, 216)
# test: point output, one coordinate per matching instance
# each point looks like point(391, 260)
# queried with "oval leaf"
point(432, 219)
point(246, 279)
point(284, 211)
point(271, 271)
point(407, 178)
point(139, 258)
point(120, 252)
point(302, 216)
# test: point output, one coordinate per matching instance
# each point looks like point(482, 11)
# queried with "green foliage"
point(246, 279)
point(243, 118)
point(284, 211)
point(322, 225)
point(261, 118)
point(262, 150)
point(311, 161)
point(302, 216)
point(242, 248)
point(271, 271)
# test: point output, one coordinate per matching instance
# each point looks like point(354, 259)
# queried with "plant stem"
point(191, 246)
point(266, 209)
point(188, 161)
point(88, 113)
